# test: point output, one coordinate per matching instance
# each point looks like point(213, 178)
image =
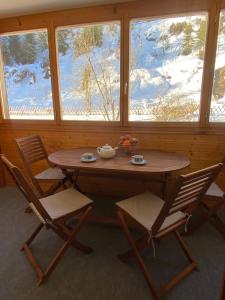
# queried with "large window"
point(89, 67)
point(25, 76)
point(217, 111)
point(166, 67)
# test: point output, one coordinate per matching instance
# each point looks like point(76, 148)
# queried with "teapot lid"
point(107, 147)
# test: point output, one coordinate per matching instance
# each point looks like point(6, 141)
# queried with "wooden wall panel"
point(202, 150)
point(2, 175)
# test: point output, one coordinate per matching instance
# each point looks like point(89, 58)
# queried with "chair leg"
point(188, 269)
point(78, 245)
point(64, 247)
point(138, 256)
point(218, 224)
point(184, 247)
point(141, 244)
point(34, 234)
point(211, 217)
point(157, 293)
point(69, 238)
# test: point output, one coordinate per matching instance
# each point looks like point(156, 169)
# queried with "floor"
point(100, 275)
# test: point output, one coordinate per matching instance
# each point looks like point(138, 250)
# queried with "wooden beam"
point(4, 112)
point(210, 58)
point(54, 72)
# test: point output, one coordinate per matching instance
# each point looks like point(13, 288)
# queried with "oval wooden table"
point(158, 162)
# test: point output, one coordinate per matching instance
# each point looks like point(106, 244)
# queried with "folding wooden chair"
point(54, 212)
point(32, 150)
point(159, 218)
point(209, 207)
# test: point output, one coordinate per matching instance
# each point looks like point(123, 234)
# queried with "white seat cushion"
point(215, 190)
point(51, 174)
point(145, 208)
point(65, 202)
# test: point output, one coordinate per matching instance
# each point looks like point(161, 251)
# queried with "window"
point(26, 85)
point(89, 65)
point(166, 68)
point(217, 111)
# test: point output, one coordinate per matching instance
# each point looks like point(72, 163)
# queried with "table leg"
point(75, 179)
point(164, 184)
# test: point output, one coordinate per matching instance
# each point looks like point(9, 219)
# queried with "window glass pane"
point(89, 64)
point(217, 112)
point(26, 85)
point(166, 67)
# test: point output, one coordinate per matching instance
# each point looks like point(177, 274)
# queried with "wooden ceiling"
point(11, 8)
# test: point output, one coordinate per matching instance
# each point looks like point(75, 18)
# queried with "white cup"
point(87, 156)
point(138, 158)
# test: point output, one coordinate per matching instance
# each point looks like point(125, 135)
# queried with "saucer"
point(141, 163)
point(88, 160)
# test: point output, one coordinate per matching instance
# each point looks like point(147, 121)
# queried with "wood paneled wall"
point(202, 143)
point(2, 175)
point(203, 150)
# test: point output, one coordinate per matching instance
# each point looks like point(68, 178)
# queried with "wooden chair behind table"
point(54, 212)
point(209, 207)
point(159, 218)
point(32, 151)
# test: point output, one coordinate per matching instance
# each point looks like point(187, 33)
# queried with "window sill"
point(112, 127)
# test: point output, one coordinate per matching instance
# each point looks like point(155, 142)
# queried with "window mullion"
point(54, 73)
point(125, 62)
point(4, 108)
point(210, 57)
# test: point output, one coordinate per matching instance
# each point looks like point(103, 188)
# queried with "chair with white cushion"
point(32, 151)
point(158, 218)
point(209, 207)
point(53, 212)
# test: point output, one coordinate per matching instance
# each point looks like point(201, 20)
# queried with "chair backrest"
point(32, 150)
point(188, 189)
point(25, 188)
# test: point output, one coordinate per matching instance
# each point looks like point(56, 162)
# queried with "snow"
point(158, 71)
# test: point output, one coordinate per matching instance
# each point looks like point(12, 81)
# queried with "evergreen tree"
point(4, 44)
point(42, 41)
point(62, 39)
point(188, 41)
point(29, 52)
point(15, 48)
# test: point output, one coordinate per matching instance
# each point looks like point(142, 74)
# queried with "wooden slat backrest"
point(188, 189)
point(25, 187)
point(32, 149)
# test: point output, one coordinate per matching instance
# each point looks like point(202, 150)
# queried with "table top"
point(157, 161)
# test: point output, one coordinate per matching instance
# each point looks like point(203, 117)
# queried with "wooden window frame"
point(189, 124)
point(217, 21)
point(31, 122)
point(123, 12)
point(87, 122)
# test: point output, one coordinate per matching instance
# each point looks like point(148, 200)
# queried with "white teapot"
point(106, 151)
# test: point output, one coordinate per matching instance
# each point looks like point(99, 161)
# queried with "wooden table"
point(159, 162)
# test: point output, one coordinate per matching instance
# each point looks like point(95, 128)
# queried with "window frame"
point(122, 12)
point(194, 124)
point(91, 122)
point(217, 20)
point(4, 98)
